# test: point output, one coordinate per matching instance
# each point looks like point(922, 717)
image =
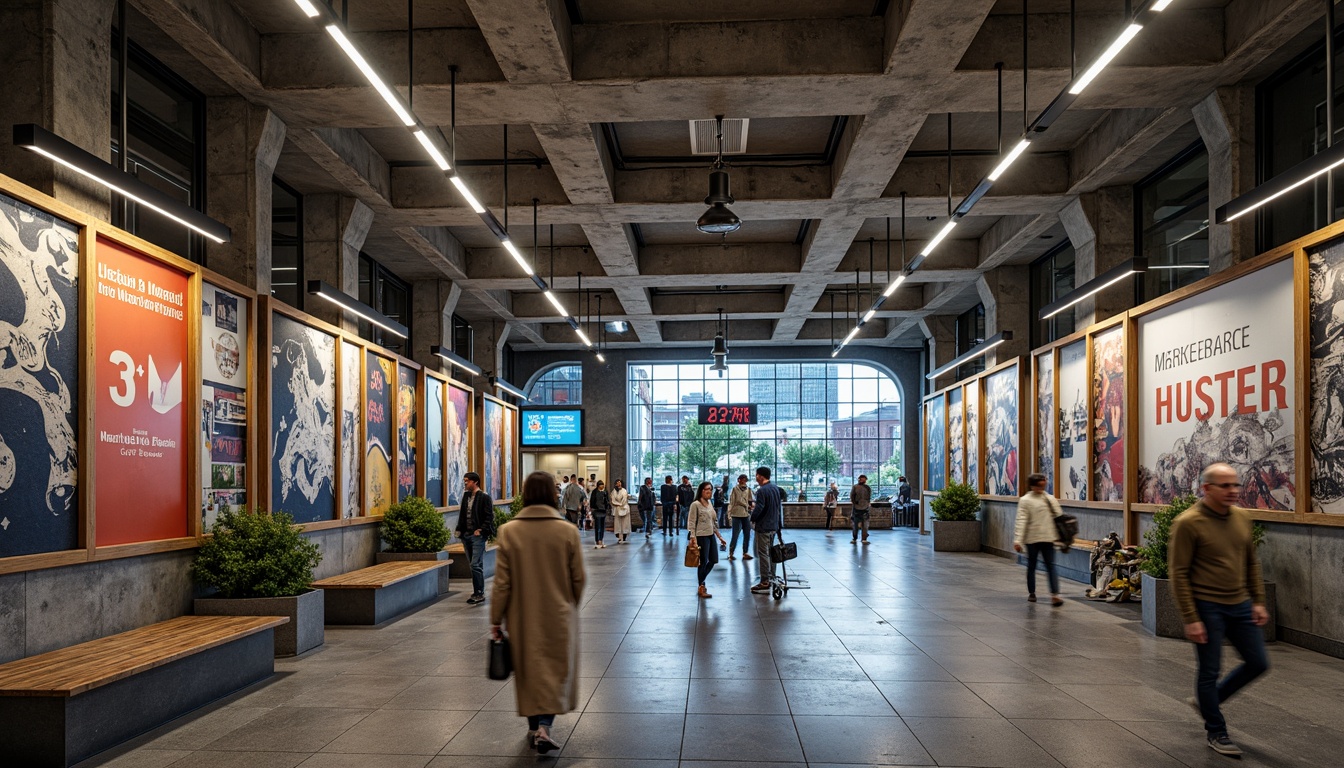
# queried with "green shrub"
point(505, 514)
point(414, 525)
point(1157, 538)
point(256, 554)
point(956, 502)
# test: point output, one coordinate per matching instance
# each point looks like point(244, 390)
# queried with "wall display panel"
point(434, 447)
point(956, 436)
point(1108, 414)
point(972, 397)
point(303, 420)
point(39, 385)
point(457, 443)
point(1327, 379)
point(1216, 383)
point(510, 451)
point(380, 375)
point(225, 362)
point(935, 444)
point(352, 397)
point(407, 436)
point(1073, 474)
point(1001, 432)
point(492, 446)
point(141, 354)
point(1045, 418)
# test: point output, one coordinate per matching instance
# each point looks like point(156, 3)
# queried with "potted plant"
point(955, 526)
point(413, 530)
point(259, 565)
point(1161, 617)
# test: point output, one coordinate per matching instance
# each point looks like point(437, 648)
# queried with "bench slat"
point(381, 575)
point(79, 668)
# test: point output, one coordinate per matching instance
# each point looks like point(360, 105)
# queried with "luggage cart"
point(780, 554)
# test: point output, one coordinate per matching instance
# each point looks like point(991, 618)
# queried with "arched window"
point(559, 385)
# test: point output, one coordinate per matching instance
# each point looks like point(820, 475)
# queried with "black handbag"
point(501, 659)
point(783, 551)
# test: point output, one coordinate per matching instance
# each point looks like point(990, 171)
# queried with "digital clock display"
point(727, 414)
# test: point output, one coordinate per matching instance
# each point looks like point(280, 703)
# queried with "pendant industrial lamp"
point(719, 219)
point(720, 350)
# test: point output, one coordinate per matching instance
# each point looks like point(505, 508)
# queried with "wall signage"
point(558, 427)
point(727, 414)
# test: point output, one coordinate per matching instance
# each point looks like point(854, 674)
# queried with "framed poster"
point(352, 433)
point(457, 442)
point(1001, 432)
point(407, 396)
point(141, 357)
point(492, 446)
point(1216, 383)
point(380, 375)
point(225, 362)
point(434, 424)
point(956, 435)
point(972, 397)
point(1073, 398)
point(303, 420)
point(935, 445)
point(510, 451)
point(1045, 418)
point(39, 387)
point(1108, 414)
point(1327, 379)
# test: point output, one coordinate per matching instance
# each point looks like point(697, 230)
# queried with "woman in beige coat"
point(538, 583)
point(620, 508)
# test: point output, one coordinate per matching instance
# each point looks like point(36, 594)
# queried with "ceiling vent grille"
point(704, 139)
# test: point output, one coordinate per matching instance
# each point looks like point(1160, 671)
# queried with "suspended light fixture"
point(719, 220)
point(978, 350)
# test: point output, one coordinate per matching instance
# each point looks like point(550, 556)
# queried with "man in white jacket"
point(1035, 534)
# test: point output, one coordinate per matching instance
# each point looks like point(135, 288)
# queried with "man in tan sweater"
point(1215, 577)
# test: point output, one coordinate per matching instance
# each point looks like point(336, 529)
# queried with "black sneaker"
point(474, 599)
point(1224, 746)
point(760, 589)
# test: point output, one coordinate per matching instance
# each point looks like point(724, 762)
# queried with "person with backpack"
point(1034, 532)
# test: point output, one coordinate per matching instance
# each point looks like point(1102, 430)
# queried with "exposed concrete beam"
point(1012, 234)
point(439, 248)
point(351, 161)
point(936, 298)
point(531, 39)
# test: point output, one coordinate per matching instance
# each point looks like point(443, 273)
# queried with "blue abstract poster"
point(303, 423)
point(39, 352)
point(434, 441)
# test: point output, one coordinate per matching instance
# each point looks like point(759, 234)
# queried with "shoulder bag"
point(692, 553)
point(1066, 526)
point(501, 659)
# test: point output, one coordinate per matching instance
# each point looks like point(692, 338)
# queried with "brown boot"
point(702, 592)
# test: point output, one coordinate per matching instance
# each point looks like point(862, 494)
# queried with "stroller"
point(781, 553)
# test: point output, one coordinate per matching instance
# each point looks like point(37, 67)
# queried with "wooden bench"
point(64, 706)
point(380, 592)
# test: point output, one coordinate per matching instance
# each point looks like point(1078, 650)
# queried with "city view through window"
point(817, 423)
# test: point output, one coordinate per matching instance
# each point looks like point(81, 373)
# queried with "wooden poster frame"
point(469, 429)
point(1022, 431)
point(480, 456)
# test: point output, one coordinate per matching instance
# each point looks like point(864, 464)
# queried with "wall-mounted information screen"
point(552, 427)
point(728, 414)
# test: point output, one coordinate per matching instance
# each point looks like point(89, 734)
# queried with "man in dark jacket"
point(668, 494)
point(861, 502)
point(647, 501)
point(767, 517)
point(475, 526)
point(685, 495)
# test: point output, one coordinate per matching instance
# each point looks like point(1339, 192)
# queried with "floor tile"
point(819, 668)
point(650, 695)
point(464, 693)
point(975, 742)
point(627, 736)
point(330, 760)
point(501, 734)
point(734, 666)
point(835, 697)
point(1033, 701)
point(926, 699)
point(1094, 745)
point(401, 732)
point(861, 740)
point(207, 759)
point(290, 729)
point(762, 738)
point(728, 696)
point(645, 665)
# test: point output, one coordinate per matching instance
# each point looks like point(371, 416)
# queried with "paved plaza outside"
point(894, 657)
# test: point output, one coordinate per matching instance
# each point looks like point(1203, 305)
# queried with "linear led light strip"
point(422, 134)
point(1040, 124)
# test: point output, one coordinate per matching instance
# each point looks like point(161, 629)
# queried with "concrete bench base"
point(59, 731)
point(375, 605)
point(460, 567)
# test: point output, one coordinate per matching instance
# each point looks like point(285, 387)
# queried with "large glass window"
point(818, 423)
point(1052, 278)
point(970, 334)
point(561, 385)
point(1172, 221)
point(287, 282)
point(165, 120)
point(1290, 127)
point(389, 294)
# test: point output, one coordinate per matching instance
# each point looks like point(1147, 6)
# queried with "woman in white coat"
point(620, 508)
point(1035, 534)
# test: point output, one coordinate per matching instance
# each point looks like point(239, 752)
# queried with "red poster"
point(140, 316)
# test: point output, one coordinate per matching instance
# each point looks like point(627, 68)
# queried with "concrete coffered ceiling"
point(847, 102)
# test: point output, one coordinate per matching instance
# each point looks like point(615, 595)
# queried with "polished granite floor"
point(894, 657)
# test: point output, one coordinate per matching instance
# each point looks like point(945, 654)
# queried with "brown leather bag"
point(693, 554)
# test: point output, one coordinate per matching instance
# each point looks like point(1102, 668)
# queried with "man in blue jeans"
point(1215, 577)
point(646, 505)
point(767, 517)
point(475, 526)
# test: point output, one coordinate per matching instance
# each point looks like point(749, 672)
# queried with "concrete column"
point(941, 331)
point(334, 229)
point(1006, 294)
point(243, 143)
point(432, 305)
point(58, 74)
point(1226, 122)
point(489, 352)
point(1100, 226)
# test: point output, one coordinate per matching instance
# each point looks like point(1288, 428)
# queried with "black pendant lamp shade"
point(718, 220)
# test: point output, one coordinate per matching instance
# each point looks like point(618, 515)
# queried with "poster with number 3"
point(140, 347)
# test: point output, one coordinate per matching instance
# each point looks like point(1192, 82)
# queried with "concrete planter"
point(388, 557)
point(306, 612)
point(1161, 617)
point(461, 565)
point(956, 535)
